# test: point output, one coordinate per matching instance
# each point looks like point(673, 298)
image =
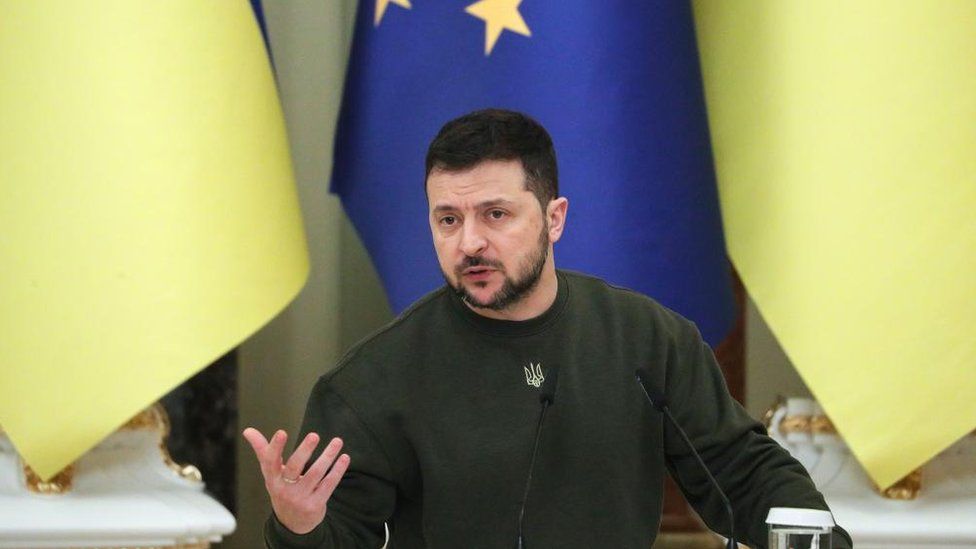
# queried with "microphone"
point(547, 395)
point(660, 403)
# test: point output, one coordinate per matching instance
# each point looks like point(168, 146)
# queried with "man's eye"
point(496, 214)
point(448, 220)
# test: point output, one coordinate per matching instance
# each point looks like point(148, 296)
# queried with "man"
point(438, 410)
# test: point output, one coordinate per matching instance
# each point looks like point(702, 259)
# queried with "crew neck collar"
point(515, 328)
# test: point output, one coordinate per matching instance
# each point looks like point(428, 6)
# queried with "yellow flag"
point(845, 142)
point(148, 215)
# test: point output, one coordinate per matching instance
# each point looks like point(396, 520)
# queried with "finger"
point(259, 444)
point(255, 439)
point(322, 464)
point(274, 450)
point(331, 481)
point(296, 463)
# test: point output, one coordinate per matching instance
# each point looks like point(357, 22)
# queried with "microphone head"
point(548, 391)
point(657, 398)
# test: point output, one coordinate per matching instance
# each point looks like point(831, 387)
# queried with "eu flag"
point(616, 83)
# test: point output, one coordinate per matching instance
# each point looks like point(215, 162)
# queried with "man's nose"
point(473, 241)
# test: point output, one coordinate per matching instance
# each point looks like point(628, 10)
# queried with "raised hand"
point(299, 501)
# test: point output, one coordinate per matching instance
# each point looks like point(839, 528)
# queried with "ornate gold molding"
point(767, 419)
point(822, 425)
point(58, 484)
point(161, 420)
point(187, 471)
point(905, 489)
point(153, 418)
point(807, 424)
point(796, 424)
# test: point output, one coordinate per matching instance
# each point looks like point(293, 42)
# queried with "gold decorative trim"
point(795, 424)
point(159, 419)
point(767, 419)
point(905, 489)
point(58, 484)
point(153, 418)
point(822, 425)
point(188, 471)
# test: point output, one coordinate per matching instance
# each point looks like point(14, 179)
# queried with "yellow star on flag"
point(381, 9)
point(499, 15)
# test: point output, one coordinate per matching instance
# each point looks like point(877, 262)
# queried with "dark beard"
point(512, 290)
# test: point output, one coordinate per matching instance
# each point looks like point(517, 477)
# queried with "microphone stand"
point(528, 481)
point(546, 396)
point(660, 403)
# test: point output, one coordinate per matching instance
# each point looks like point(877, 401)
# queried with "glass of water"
point(791, 528)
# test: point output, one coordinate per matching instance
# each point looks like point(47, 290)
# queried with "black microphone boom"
point(660, 403)
point(548, 391)
point(547, 396)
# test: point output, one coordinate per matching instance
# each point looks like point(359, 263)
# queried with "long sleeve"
point(366, 496)
point(753, 470)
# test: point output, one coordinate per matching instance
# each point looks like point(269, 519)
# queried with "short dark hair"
point(497, 134)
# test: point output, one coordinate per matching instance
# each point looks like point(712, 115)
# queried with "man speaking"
point(455, 428)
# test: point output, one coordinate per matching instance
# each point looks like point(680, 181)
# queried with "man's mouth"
point(477, 270)
point(477, 273)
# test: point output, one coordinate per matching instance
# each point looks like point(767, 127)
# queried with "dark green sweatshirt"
point(438, 414)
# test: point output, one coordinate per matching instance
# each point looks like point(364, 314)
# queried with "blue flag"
point(618, 86)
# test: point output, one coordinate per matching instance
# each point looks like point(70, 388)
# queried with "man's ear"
point(556, 216)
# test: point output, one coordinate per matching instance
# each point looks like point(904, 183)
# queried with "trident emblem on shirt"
point(533, 375)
